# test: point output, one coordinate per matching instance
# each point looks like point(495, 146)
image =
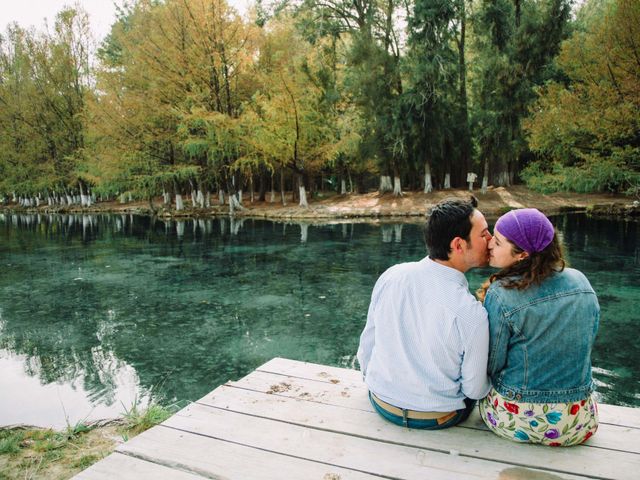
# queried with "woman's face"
point(501, 253)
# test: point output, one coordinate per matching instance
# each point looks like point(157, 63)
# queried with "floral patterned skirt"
point(553, 424)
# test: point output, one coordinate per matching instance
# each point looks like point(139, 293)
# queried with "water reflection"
point(114, 306)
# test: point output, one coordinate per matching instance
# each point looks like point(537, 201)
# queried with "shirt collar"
point(448, 273)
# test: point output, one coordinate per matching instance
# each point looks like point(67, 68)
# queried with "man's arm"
point(475, 382)
point(367, 337)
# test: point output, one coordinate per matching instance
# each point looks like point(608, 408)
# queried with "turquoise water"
point(100, 312)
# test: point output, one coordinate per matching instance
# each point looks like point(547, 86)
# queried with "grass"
point(29, 453)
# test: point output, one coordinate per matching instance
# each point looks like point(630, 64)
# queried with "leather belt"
point(441, 417)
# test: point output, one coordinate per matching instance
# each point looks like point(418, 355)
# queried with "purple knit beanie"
point(528, 228)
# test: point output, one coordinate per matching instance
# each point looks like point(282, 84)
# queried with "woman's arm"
point(499, 334)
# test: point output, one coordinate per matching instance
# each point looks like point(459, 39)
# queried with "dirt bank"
point(411, 205)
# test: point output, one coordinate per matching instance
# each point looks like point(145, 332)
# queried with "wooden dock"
point(295, 420)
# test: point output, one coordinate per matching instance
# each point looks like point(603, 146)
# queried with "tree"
point(516, 41)
point(585, 130)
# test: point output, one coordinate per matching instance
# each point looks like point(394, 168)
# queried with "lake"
point(100, 313)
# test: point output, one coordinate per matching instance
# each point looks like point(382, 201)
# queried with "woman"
point(543, 320)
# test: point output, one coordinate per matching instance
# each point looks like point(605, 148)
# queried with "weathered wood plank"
point(354, 395)
point(214, 458)
point(478, 444)
point(124, 467)
point(329, 447)
point(613, 414)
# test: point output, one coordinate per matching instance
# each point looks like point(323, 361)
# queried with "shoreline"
point(368, 207)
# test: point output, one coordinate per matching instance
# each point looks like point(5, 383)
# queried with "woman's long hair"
point(531, 270)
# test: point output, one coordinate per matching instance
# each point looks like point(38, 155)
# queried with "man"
point(423, 351)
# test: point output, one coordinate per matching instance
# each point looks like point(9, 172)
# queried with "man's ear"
point(456, 244)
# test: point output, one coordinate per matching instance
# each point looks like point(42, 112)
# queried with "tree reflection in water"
point(120, 305)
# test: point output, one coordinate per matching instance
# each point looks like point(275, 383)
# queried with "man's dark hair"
point(447, 220)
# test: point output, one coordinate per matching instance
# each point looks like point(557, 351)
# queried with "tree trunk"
point(397, 187)
point(385, 184)
point(179, 203)
point(221, 196)
point(303, 192)
point(273, 193)
point(282, 195)
point(207, 199)
point(485, 176)
point(343, 186)
point(428, 186)
point(200, 198)
point(447, 181)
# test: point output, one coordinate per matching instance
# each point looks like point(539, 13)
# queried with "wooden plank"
point(124, 467)
point(479, 444)
point(333, 448)
point(214, 458)
point(316, 371)
point(613, 414)
point(354, 395)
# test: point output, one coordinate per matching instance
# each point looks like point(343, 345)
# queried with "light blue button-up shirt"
point(426, 340)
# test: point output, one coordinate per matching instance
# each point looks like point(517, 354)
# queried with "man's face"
point(476, 253)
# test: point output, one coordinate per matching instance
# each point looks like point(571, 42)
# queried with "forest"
point(190, 99)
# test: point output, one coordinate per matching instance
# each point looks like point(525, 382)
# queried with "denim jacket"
point(541, 339)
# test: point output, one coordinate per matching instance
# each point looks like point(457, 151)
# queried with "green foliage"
point(594, 175)
point(189, 95)
point(138, 420)
point(586, 129)
point(10, 441)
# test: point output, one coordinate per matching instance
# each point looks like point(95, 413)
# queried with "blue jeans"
point(460, 416)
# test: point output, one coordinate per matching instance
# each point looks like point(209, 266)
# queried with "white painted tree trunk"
point(385, 184)
point(221, 196)
point(303, 197)
point(69, 200)
point(485, 177)
point(240, 197)
point(194, 202)
point(123, 198)
point(207, 199)
point(130, 196)
point(179, 202)
point(234, 204)
point(304, 232)
point(343, 187)
point(166, 198)
point(200, 198)
point(397, 188)
point(447, 181)
point(428, 186)
point(83, 196)
point(272, 197)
